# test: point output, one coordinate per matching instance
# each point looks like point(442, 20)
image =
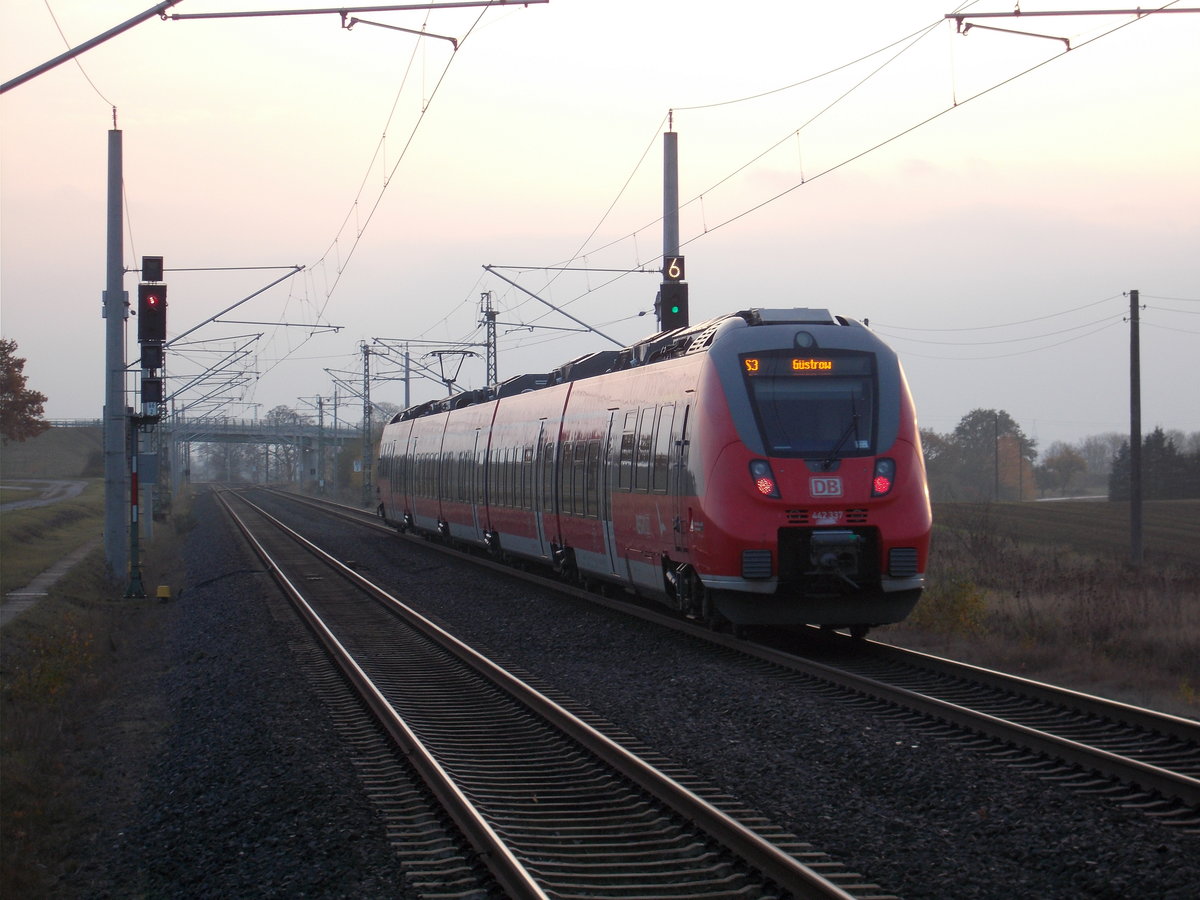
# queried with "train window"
point(628, 441)
point(593, 480)
point(645, 445)
point(662, 449)
point(497, 485)
point(548, 476)
point(527, 477)
point(511, 482)
point(565, 470)
point(814, 407)
point(579, 479)
point(478, 478)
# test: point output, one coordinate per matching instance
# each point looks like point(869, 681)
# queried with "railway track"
point(553, 806)
point(1137, 757)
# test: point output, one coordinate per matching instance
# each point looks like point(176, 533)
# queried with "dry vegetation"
point(34, 539)
point(59, 662)
point(1047, 590)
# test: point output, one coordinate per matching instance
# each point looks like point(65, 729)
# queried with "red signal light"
point(884, 478)
point(152, 313)
point(764, 478)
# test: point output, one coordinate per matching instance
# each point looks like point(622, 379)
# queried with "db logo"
point(825, 487)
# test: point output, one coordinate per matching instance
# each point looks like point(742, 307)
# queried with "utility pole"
point(366, 418)
point(407, 378)
point(115, 311)
point(1135, 432)
point(489, 318)
point(320, 445)
point(672, 305)
point(996, 458)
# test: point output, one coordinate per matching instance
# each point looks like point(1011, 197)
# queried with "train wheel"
point(713, 617)
point(695, 601)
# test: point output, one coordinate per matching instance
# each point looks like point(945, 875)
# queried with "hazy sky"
point(992, 246)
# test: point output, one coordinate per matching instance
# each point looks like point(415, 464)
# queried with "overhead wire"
point(811, 78)
point(920, 33)
point(361, 230)
point(1017, 340)
point(913, 37)
point(1116, 320)
point(361, 227)
point(926, 121)
point(1004, 324)
point(82, 71)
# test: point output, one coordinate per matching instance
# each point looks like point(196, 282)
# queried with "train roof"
point(656, 348)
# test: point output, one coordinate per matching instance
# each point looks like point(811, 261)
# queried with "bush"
point(954, 607)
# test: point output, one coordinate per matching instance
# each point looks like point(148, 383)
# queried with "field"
point(1170, 529)
point(55, 453)
point(1048, 590)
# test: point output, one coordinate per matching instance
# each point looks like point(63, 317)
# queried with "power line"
point(1017, 340)
point(1005, 324)
point(904, 132)
point(976, 358)
point(82, 71)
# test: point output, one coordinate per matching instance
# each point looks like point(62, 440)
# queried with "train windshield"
point(819, 404)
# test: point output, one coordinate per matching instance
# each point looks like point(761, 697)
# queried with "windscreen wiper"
point(837, 448)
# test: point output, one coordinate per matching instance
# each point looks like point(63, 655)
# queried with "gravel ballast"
point(249, 793)
point(919, 816)
point(239, 786)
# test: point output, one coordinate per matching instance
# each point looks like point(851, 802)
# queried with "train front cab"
point(815, 504)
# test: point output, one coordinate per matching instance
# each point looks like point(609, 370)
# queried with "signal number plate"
point(825, 486)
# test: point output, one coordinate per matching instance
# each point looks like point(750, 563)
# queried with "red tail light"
point(764, 478)
point(885, 477)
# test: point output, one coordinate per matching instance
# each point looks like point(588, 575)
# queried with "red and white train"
point(763, 467)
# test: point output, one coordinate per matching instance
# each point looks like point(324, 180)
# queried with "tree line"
point(987, 457)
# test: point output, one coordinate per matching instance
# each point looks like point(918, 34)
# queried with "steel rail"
point(789, 873)
point(504, 866)
point(1177, 785)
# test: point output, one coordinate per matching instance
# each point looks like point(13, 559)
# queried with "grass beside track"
point(60, 663)
point(32, 540)
point(1048, 590)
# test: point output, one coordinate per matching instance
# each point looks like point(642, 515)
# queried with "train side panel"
point(461, 473)
point(520, 500)
point(392, 472)
point(621, 440)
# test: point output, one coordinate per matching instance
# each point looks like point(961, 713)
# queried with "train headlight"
point(764, 478)
point(885, 477)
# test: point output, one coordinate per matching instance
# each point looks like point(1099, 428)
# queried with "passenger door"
point(609, 462)
point(680, 487)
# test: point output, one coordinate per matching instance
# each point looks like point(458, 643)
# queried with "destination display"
point(783, 364)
